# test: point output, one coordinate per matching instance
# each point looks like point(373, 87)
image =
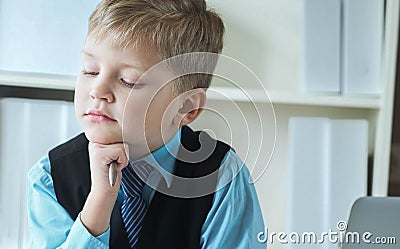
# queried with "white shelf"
point(294, 98)
point(325, 100)
point(61, 82)
point(36, 80)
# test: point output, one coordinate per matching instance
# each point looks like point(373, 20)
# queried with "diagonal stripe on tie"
point(133, 208)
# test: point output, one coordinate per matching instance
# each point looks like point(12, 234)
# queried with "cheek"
point(80, 97)
point(158, 106)
point(133, 115)
point(162, 114)
point(144, 115)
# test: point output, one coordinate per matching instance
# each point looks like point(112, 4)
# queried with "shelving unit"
point(385, 116)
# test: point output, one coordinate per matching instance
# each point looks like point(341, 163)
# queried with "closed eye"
point(84, 72)
point(130, 84)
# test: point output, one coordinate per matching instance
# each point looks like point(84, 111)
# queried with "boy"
point(138, 124)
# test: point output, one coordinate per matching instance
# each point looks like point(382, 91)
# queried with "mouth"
point(98, 116)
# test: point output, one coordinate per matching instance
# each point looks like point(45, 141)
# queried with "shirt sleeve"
point(50, 225)
point(235, 218)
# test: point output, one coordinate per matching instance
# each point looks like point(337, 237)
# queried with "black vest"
point(170, 222)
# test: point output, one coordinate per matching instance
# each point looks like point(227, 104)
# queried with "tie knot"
point(133, 177)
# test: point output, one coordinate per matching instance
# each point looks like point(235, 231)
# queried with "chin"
point(105, 137)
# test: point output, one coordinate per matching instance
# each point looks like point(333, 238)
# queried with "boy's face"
point(107, 109)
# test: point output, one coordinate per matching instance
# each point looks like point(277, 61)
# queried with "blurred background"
point(334, 94)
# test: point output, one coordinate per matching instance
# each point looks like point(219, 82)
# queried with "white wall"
point(43, 36)
point(265, 35)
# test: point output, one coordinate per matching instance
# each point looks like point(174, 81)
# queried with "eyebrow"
point(137, 67)
point(87, 53)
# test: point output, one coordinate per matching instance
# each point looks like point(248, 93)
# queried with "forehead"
point(136, 56)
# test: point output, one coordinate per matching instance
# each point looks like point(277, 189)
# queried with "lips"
point(98, 116)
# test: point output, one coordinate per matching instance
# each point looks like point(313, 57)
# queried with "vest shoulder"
point(76, 144)
point(193, 140)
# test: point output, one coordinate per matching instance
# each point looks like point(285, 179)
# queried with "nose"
point(102, 90)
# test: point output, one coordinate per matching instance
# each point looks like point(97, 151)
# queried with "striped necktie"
point(133, 208)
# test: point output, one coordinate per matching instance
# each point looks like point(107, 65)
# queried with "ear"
point(192, 105)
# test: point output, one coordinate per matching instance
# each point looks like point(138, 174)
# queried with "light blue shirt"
point(233, 221)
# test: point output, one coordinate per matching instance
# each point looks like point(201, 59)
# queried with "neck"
point(139, 150)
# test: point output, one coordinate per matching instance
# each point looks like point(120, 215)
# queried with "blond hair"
point(171, 27)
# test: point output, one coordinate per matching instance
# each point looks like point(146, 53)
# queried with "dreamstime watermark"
point(341, 236)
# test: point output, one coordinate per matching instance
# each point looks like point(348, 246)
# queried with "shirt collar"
point(163, 159)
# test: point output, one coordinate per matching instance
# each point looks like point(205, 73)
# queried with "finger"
point(126, 149)
point(107, 154)
point(113, 154)
point(122, 158)
point(120, 167)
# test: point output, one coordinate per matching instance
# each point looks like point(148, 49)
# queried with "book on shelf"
point(362, 46)
point(307, 173)
point(327, 173)
point(342, 46)
point(321, 46)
